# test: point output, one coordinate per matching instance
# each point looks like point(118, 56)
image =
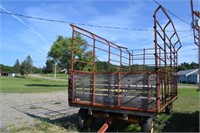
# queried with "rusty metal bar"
point(148, 97)
point(72, 66)
point(118, 79)
point(105, 126)
point(118, 96)
point(94, 76)
point(88, 104)
point(74, 26)
point(144, 59)
point(159, 58)
point(196, 30)
point(109, 59)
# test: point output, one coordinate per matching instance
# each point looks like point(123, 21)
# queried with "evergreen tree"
point(16, 67)
point(26, 66)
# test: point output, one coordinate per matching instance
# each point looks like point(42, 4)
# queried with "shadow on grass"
point(70, 123)
point(45, 85)
point(182, 122)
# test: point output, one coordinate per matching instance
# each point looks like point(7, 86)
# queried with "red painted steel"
point(167, 48)
point(105, 127)
point(134, 71)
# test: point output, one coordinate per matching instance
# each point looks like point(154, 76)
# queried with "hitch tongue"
point(105, 126)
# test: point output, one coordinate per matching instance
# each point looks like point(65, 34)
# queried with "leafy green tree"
point(23, 68)
point(60, 52)
point(36, 70)
point(26, 66)
point(49, 66)
point(16, 67)
point(184, 66)
point(4, 68)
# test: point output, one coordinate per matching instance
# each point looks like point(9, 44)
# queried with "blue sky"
point(20, 36)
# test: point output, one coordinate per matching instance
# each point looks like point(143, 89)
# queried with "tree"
point(4, 68)
point(49, 66)
point(23, 68)
point(29, 64)
point(26, 66)
point(16, 67)
point(60, 52)
point(185, 66)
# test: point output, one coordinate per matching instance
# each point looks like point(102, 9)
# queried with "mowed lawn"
point(30, 85)
point(58, 75)
point(185, 115)
point(184, 118)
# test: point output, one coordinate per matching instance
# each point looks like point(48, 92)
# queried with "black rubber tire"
point(168, 108)
point(148, 125)
point(84, 120)
point(81, 118)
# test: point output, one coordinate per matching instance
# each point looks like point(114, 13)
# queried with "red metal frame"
point(163, 71)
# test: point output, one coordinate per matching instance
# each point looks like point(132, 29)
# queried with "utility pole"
point(55, 71)
point(196, 31)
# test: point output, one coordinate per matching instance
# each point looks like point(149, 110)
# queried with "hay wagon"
point(132, 85)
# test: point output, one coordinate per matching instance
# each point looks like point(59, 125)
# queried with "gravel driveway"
point(20, 109)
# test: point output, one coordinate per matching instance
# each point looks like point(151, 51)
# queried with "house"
point(188, 76)
point(5, 74)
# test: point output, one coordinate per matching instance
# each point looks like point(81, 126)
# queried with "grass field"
point(185, 116)
point(30, 85)
point(58, 76)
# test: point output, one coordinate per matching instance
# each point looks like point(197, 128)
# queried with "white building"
point(188, 76)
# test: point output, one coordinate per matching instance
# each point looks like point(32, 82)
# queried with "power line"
point(186, 36)
point(173, 13)
point(66, 22)
point(194, 49)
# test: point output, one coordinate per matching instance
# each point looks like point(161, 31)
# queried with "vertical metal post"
point(171, 69)
point(55, 70)
point(196, 26)
point(109, 69)
point(120, 59)
point(94, 76)
point(199, 55)
point(165, 67)
point(129, 62)
point(156, 67)
point(72, 67)
point(148, 93)
point(144, 59)
point(132, 61)
point(118, 94)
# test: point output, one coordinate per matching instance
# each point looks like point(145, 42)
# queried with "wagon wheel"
point(148, 125)
point(84, 120)
point(169, 108)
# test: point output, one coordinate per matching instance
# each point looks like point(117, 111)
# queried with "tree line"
point(24, 68)
point(59, 56)
point(60, 53)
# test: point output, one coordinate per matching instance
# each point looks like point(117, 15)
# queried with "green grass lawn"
point(58, 76)
point(30, 85)
point(184, 118)
point(185, 115)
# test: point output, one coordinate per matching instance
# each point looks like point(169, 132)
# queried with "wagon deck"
point(142, 82)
